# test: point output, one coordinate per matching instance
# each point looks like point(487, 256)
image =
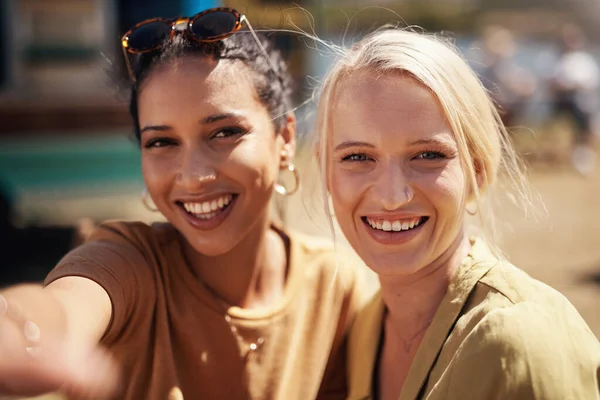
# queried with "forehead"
point(393, 105)
point(191, 81)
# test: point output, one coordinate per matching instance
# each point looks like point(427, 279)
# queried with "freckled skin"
point(408, 166)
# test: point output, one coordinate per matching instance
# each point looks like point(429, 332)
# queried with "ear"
point(317, 152)
point(288, 134)
point(480, 178)
point(480, 175)
point(323, 166)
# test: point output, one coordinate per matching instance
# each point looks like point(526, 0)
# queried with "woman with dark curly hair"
point(218, 302)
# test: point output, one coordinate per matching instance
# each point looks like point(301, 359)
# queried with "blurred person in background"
point(220, 301)
point(510, 85)
point(409, 144)
point(574, 88)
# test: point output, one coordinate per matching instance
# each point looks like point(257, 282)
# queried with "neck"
point(251, 275)
point(412, 301)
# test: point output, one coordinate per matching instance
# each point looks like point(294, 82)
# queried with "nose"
point(195, 171)
point(393, 188)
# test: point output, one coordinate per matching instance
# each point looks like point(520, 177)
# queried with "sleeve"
point(527, 351)
point(334, 384)
point(114, 257)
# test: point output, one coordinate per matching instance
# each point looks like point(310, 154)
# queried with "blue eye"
point(357, 157)
point(430, 155)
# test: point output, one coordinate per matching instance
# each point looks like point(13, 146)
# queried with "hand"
point(36, 356)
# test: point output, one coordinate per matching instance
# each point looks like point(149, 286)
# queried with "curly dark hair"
point(274, 88)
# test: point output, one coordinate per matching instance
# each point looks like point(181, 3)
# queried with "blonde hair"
point(484, 144)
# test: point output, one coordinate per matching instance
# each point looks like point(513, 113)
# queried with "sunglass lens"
point(214, 24)
point(148, 36)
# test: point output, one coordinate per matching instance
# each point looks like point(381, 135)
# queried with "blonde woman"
point(410, 142)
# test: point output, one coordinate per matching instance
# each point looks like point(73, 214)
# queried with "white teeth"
point(395, 226)
point(208, 209)
point(206, 216)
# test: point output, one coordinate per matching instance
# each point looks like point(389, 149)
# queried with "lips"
point(395, 225)
point(208, 213)
point(393, 230)
point(208, 209)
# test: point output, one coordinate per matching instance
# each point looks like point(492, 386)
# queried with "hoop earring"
point(282, 190)
point(146, 202)
point(471, 212)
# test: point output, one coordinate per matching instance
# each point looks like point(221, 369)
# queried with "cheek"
point(447, 192)
point(254, 161)
point(345, 189)
point(157, 174)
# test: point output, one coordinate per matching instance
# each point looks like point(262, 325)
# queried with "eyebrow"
point(206, 121)
point(219, 117)
point(421, 142)
point(430, 141)
point(160, 128)
point(353, 143)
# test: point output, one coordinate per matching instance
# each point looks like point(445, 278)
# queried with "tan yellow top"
point(498, 334)
point(170, 335)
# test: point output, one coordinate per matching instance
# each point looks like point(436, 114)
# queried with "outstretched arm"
point(49, 339)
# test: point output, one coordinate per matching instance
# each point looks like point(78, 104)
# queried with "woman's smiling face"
point(210, 153)
point(394, 172)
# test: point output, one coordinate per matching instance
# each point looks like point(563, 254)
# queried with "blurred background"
point(67, 159)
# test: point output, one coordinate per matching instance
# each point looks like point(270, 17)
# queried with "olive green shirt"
point(497, 334)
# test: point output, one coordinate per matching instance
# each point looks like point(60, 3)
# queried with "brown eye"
point(227, 132)
point(158, 142)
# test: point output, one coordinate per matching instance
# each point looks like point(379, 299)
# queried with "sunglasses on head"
point(207, 26)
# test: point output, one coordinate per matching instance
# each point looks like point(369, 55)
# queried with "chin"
point(212, 248)
point(394, 268)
